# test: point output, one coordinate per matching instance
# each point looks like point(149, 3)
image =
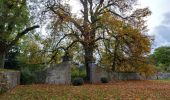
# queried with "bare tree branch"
point(19, 35)
point(64, 15)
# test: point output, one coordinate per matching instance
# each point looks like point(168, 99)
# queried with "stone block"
point(12, 77)
point(55, 74)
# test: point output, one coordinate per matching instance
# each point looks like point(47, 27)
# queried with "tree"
point(30, 51)
point(14, 17)
point(161, 57)
point(100, 21)
point(124, 50)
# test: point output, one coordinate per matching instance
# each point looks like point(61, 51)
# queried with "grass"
point(168, 79)
point(7, 70)
point(135, 90)
point(165, 80)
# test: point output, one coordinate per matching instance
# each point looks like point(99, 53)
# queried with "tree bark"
point(2, 59)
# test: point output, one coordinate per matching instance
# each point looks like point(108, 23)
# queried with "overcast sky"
point(158, 23)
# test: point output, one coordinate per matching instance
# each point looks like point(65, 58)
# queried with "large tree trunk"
point(88, 60)
point(2, 59)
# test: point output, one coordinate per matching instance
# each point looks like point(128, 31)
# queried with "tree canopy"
point(161, 57)
point(110, 32)
point(14, 17)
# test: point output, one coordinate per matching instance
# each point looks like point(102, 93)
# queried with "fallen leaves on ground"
point(120, 90)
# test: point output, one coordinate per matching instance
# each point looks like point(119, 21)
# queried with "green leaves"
point(161, 56)
point(15, 17)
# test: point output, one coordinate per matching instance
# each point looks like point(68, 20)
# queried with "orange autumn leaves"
point(140, 42)
point(133, 44)
point(123, 90)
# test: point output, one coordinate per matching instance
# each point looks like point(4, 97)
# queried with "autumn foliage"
point(126, 47)
point(127, 90)
point(112, 30)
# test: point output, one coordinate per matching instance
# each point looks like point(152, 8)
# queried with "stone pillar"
point(60, 73)
point(12, 78)
point(92, 72)
point(66, 62)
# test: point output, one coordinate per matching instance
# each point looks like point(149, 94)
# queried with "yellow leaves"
point(125, 68)
point(110, 21)
point(132, 44)
point(106, 60)
point(147, 70)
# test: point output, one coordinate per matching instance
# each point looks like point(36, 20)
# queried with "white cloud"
point(158, 8)
point(159, 21)
point(162, 32)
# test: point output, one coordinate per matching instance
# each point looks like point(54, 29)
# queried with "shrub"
point(78, 81)
point(27, 77)
point(104, 80)
point(29, 73)
point(78, 72)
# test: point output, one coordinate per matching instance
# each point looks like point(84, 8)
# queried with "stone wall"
point(160, 75)
point(56, 74)
point(12, 78)
point(59, 74)
point(97, 73)
point(127, 76)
